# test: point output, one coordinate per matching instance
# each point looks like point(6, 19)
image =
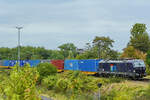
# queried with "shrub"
point(46, 69)
point(147, 70)
point(50, 81)
point(20, 85)
point(62, 85)
point(148, 63)
point(124, 91)
point(76, 83)
point(147, 92)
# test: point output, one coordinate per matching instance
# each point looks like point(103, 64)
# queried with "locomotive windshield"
point(139, 63)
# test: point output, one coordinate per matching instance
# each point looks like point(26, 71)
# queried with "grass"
point(84, 96)
point(126, 90)
point(147, 77)
point(112, 89)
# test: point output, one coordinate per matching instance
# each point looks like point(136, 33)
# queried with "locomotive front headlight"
point(134, 71)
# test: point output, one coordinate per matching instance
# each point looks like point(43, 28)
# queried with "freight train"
point(128, 68)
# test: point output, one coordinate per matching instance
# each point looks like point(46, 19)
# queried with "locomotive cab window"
point(139, 64)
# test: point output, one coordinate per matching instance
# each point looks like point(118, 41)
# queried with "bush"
point(71, 83)
point(147, 70)
point(62, 85)
point(20, 85)
point(76, 83)
point(124, 91)
point(50, 81)
point(147, 92)
point(148, 63)
point(46, 69)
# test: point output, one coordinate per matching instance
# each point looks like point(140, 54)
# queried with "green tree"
point(139, 38)
point(5, 53)
point(148, 62)
point(56, 55)
point(66, 48)
point(70, 55)
point(103, 45)
point(88, 46)
point(29, 52)
point(113, 54)
point(89, 54)
point(148, 58)
point(131, 52)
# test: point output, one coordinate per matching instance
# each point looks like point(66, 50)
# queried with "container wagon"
point(59, 64)
point(89, 66)
point(11, 63)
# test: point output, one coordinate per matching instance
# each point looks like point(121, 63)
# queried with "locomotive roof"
point(120, 61)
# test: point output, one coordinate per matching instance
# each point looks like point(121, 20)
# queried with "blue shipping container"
point(90, 65)
point(34, 63)
point(71, 65)
point(14, 62)
point(6, 63)
point(23, 62)
point(9, 62)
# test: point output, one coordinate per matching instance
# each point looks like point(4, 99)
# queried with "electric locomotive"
point(125, 68)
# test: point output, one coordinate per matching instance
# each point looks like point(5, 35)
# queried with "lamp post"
point(99, 44)
point(19, 28)
point(99, 86)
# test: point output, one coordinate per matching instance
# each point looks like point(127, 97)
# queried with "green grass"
point(82, 81)
point(112, 88)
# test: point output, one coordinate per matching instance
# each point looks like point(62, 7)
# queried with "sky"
point(50, 23)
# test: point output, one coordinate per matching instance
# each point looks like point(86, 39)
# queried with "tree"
point(66, 48)
point(56, 55)
point(148, 58)
point(88, 46)
point(148, 62)
point(103, 46)
point(131, 52)
point(113, 54)
point(90, 54)
point(29, 53)
point(70, 55)
point(139, 38)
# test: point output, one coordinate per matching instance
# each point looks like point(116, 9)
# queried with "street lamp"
point(99, 44)
point(99, 86)
point(19, 28)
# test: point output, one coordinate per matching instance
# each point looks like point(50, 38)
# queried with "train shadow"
point(142, 79)
point(145, 79)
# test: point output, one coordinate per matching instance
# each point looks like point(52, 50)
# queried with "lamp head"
point(99, 85)
point(19, 28)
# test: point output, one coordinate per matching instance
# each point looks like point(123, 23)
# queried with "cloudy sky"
point(50, 23)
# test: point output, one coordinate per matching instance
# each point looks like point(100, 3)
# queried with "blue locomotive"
point(125, 68)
